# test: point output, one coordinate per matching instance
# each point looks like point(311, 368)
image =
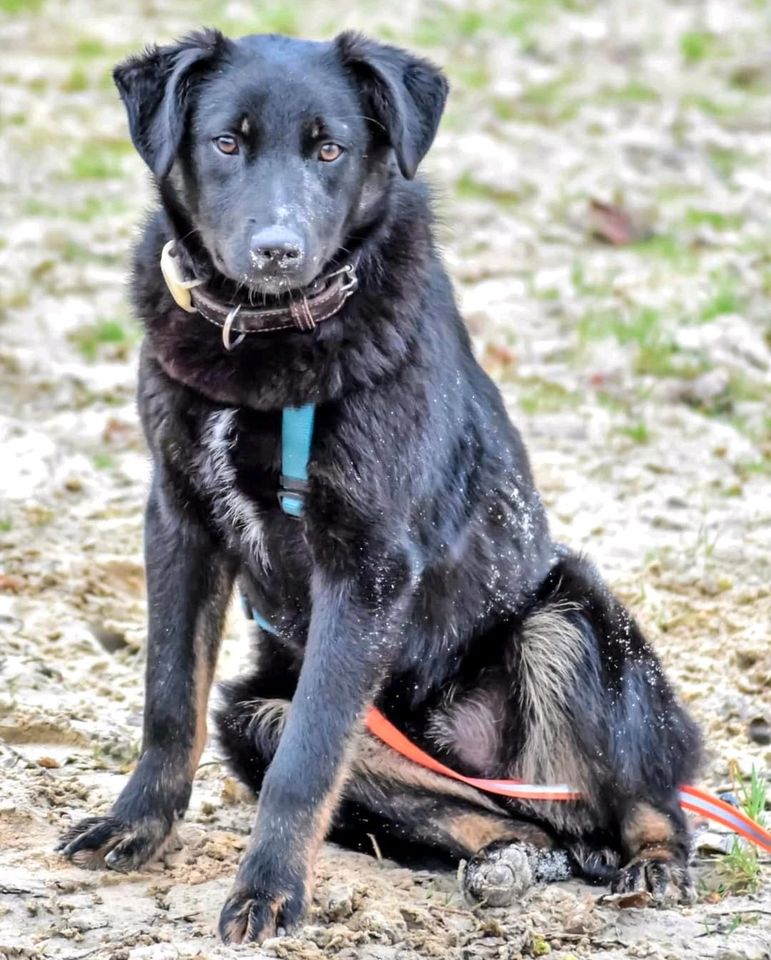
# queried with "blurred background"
point(603, 183)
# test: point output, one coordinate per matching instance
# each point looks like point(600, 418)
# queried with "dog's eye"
point(329, 152)
point(228, 145)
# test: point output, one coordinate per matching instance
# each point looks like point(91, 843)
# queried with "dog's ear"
point(405, 93)
point(155, 88)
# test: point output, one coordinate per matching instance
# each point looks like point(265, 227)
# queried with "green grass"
point(467, 187)
point(549, 102)
point(657, 354)
point(637, 432)
point(709, 106)
point(670, 247)
point(725, 161)
point(6, 525)
point(91, 339)
point(93, 208)
point(713, 218)
point(472, 74)
point(543, 396)
point(697, 45)
point(21, 6)
point(99, 161)
point(447, 24)
point(90, 47)
point(634, 91)
point(725, 299)
point(725, 406)
point(640, 328)
point(740, 870)
point(753, 468)
point(77, 81)
point(102, 460)
point(268, 18)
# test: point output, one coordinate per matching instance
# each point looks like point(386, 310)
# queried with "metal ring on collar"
point(227, 342)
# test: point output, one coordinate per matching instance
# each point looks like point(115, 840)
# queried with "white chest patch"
point(236, 514)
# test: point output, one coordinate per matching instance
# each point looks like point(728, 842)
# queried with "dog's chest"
point(238, 471)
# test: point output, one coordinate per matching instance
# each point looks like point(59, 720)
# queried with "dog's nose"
point(276, 247)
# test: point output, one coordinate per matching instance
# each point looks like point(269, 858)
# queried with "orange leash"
point(691, 798)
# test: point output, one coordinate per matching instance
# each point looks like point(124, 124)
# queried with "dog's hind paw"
point(99, 842)
point(502, 871)
point(666, 880)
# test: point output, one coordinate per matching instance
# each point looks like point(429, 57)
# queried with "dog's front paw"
point(666, 880)
point(259, 909)
point(110, 841)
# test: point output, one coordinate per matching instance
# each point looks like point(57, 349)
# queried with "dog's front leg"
point(345, 656)
point(189, 582)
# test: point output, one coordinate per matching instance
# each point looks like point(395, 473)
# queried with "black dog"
point(421, 576)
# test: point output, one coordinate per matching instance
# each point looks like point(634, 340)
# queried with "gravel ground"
point(603, 177)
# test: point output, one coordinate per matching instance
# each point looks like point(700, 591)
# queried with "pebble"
point(759, 731)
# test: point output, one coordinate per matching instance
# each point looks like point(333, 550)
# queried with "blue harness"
point(296, 439)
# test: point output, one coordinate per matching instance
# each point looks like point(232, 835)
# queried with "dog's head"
point(280, 149)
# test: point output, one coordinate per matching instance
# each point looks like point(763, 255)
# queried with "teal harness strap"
point(296, 439)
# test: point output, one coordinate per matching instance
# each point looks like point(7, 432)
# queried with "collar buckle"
point(179, 287)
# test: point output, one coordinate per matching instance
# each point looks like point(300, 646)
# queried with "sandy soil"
point(639, 374)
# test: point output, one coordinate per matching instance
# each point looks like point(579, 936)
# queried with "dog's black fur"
point(423, 577)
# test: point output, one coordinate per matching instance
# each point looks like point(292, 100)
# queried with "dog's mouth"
point(267, 287)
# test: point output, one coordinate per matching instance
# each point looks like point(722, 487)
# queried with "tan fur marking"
point(646, 827)
point(206, 642)
point(203, 679)
point(655, 853)
point(245, 127)
point(476, 830)
point(374, 760)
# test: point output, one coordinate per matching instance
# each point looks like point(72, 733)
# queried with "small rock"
point(706, 388)
point(759, 731)
point(50, 763)
point(109, 640)
point(339, 904)
point(377, 923)
point(625, 901)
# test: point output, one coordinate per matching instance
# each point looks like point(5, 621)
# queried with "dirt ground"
point(604, 182)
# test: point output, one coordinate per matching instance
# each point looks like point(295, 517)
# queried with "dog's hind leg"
point(393, 807)
point(599, 713)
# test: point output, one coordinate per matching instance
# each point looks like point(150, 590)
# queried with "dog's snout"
point(277, 247)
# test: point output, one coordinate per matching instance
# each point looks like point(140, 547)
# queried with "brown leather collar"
point(323, 299)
